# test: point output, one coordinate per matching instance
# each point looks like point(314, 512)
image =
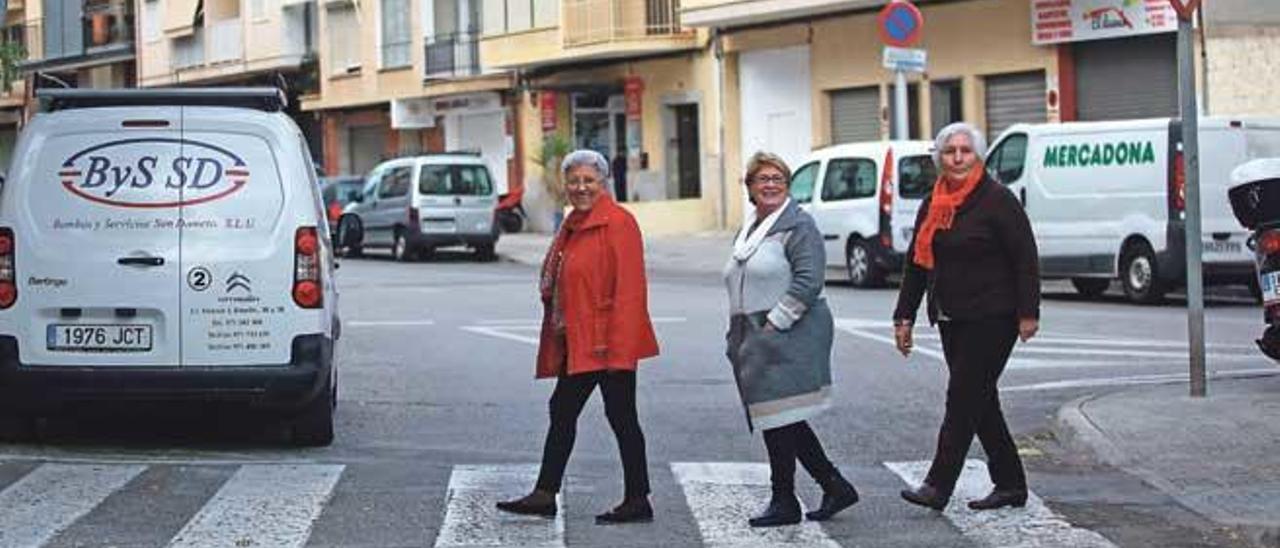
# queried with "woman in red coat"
point(595, 327)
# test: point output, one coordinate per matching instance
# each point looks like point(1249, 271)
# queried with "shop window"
point(848, 179)
point(802, 182)
point(945, 105)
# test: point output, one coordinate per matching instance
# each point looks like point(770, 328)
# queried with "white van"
point(417, 204)
point(1107, 199)
point(166, 244)
point(864, 198)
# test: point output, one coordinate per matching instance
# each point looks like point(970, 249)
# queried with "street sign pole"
point(1191, 159)
point(900, 106)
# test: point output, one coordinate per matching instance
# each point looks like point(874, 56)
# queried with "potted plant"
point(555, 147)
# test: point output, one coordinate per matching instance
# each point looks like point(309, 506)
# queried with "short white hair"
point(976, 138)
point(585, 157)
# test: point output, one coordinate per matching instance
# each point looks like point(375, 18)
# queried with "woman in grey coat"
point(779, 340)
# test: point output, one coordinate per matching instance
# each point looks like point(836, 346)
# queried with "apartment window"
point(151, 17)
point(396, 40)
point(258, 9)
point(344, 40)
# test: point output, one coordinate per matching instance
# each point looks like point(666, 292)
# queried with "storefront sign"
point(412, 114)
point(633, 90)
point(1056, 21)
point(421, 112)
point(547, 102)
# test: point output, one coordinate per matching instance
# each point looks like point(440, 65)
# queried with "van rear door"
point(98, 240)
point(1222, 148)
point(916, 174)
point(456, 198)
point(237, 244)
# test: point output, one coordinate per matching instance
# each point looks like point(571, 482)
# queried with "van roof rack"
point(260, 98)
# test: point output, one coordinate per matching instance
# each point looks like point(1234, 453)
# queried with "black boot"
point(632, 510)
point(926, 495)
point(537, 503)
point(837, 494)
point(783, 509)
point(1000, 498)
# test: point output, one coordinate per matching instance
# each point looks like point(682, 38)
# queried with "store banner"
point(1057, 21)
point(547, 102)
point(633, 90)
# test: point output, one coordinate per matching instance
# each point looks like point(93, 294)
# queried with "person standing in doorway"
point(595, 328)
point(779, 340)
point(975, 255)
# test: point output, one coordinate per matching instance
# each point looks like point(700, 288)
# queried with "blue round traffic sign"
point(900, 23)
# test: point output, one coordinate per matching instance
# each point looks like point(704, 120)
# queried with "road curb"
point(1078, 432)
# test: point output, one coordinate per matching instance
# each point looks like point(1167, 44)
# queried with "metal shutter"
point(1014, 98)
point(855, 115)
point(1127, 78)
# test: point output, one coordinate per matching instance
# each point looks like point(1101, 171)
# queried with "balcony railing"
point(453, 54)
point(589, 22)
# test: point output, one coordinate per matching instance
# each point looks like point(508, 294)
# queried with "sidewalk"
point(700, 253)
point(1219, 456)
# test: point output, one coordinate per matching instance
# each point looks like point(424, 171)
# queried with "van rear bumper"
point(283, 388)
point(421, 240)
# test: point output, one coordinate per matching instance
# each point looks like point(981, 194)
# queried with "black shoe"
point(1000, 498)
point(634, 510)
point(537, 503)
point(926, 495)
point(837, 494)
point(783, 509)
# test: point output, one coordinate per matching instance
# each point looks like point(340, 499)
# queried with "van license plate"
point(1269, 284)
point(1224, 246)
point(99, 338)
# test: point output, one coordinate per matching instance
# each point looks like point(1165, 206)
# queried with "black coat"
point(985, 266)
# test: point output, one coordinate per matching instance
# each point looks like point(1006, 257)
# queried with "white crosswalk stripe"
point(1030, 527)
point(263, 505)
point(723, 495)
point(472, 520)
point(53, 496)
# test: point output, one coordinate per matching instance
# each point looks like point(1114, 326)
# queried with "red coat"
point(603, 294)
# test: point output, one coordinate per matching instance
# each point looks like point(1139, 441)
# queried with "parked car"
point(415, 205)
point(1107, 199)
point(166, 244)
point(864, 198)
point(337, 193)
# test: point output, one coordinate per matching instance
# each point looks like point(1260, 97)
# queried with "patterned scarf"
point(942, 212)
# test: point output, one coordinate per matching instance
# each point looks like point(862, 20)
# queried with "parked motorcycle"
point(1255, 200)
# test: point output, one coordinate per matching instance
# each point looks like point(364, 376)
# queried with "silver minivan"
point(414, 205)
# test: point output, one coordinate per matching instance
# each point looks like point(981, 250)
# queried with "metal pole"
point(1191, 157)
point(900, 106)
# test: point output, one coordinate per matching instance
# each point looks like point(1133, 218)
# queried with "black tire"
point(18, 429)
point(1140, 275)
point(510, 221)
point(400, 250)
point(485, 253)
point(861, 266)
point(1091, 287)
point(350, 236)
point(313, 427)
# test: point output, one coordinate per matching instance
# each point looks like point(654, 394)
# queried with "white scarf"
point(745, 246)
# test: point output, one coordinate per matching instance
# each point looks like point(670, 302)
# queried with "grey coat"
point(783, 374)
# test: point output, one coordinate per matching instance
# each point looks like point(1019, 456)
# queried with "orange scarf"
point(942, 212)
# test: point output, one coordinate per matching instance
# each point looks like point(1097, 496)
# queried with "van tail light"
point(1269, 243)
point(1178, 183)
point(415, 221)
point(8, 269)
point(886, 200)
point(307, 291)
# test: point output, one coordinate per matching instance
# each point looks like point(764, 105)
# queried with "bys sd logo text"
point(153, 173)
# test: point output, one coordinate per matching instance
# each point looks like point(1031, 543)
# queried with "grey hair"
point(585, 157)
point(976, 138)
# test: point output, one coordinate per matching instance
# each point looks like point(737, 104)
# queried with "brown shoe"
point(537, 503)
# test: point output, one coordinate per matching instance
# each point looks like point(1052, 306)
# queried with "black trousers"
point(570, 395)
point(976, 352)
point(788, 443)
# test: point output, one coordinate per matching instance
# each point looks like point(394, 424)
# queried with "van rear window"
point(441, 180)
point(916, 175)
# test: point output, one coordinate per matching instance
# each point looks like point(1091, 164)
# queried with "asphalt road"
point(439, 415)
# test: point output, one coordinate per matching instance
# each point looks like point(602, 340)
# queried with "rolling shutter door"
point(1014, 98)
point(1127, 78)
point(855, 115)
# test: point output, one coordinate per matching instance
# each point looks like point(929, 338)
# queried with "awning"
point(180, 18)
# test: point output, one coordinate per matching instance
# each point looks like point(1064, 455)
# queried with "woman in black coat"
point(973, 252)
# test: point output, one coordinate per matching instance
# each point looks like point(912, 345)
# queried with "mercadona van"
point(1107, 199)
point(165, 244)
